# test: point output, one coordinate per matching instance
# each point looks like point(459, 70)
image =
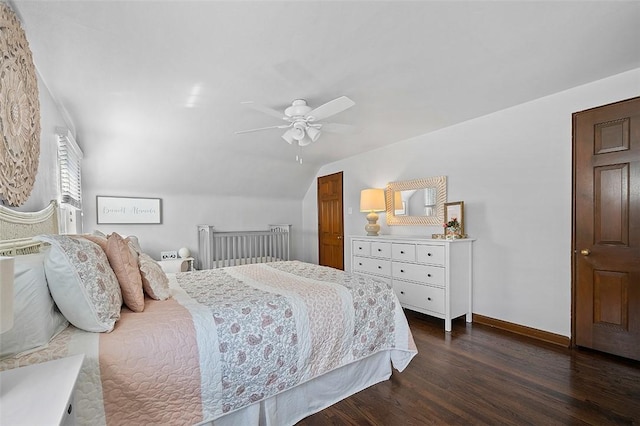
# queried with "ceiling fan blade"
point(270, 111)
point(330, 108)
point(344, 129)
point(282, 126)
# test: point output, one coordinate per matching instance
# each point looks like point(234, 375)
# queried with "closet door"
point(607, 228)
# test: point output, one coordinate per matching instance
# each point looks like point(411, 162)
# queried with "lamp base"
point(372, 227)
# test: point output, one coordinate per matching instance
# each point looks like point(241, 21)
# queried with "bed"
point(263, 343)
point(217, 249)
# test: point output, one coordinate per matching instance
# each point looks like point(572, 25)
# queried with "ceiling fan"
point(304, 123)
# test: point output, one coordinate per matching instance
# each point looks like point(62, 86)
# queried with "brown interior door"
point(606, 241)
point(330, 221)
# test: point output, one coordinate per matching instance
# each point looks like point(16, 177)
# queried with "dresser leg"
point(447, 324)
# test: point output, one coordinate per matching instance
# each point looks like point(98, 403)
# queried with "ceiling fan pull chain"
point(299, 155)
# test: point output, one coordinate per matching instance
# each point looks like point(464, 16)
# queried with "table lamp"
point(372, 201)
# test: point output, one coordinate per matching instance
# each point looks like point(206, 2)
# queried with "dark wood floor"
point(480, 375)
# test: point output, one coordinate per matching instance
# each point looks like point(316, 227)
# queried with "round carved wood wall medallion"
point(19, 112)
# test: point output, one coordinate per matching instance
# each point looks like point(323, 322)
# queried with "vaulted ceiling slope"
point(159, 84)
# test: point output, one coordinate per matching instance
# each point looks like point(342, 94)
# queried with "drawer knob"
point(402, 270)
point(401, 292)
point(401, 251)
point(379, 249)
point(429, 275)
point(360, 263)
point(379, 267)
point(428, 254)
point(69, 409)
point(428, 298)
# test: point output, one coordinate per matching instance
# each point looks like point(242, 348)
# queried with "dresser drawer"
point(420, 296)
point(381, 250)
point(361, 248)
point(430, 254)
point(404, 252)
point(372, 266)
point(433, 275)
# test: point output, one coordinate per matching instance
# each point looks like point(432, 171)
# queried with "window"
point(69, 160)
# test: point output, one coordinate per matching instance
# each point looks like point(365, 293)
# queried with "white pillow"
point(36, 320)
point(82, 283)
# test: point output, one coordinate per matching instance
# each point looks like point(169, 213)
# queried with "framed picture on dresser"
point(455, 210)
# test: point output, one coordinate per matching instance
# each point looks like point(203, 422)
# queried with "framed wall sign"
point(128, 210)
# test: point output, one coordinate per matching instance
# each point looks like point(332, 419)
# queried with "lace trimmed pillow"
point(82, 283)
point(154, 280)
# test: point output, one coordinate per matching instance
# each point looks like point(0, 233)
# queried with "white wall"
point(182, 213)
point(513, 170)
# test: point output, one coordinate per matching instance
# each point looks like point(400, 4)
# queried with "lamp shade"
point(304, 141)
point(288, 136)
point(372, 200)
point(313, 133)
point(6, 293)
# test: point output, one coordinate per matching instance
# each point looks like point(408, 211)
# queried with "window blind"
point(69, 160)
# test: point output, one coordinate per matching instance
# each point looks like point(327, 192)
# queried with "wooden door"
point(606, 241)
point(330, 221)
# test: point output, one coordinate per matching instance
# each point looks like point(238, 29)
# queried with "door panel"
point(606, 261)
point(611, 204)
point(330, 221)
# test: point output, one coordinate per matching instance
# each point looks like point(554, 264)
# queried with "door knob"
point(339, 237)
point(585, 252)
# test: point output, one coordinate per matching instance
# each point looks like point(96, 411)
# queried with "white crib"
point(217, 248)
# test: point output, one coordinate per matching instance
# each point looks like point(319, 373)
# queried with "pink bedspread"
point(149, 366)
point(230, 337)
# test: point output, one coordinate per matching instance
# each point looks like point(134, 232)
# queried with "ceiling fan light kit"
point(302, 126)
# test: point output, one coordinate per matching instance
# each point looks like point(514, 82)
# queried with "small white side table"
point(40, 394)
point(182, 264)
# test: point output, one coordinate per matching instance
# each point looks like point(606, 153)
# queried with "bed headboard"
point(18, 228)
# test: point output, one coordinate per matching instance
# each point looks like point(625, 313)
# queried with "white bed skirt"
point(292, 405)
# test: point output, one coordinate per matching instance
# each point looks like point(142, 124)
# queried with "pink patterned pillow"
point(82, 283)
point(124, 262)
point(154, 280)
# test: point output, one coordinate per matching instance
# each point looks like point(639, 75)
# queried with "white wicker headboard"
point(18, 228)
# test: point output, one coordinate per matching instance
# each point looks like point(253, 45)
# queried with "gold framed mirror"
point(417, 201)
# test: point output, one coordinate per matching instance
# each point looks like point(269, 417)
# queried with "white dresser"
point(429, 276)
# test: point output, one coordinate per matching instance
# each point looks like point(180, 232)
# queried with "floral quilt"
point(282, 323)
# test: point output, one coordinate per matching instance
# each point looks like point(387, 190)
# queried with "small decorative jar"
point(452, 229)
point(453, 233)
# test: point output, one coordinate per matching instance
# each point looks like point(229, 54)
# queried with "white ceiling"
point(124, 71)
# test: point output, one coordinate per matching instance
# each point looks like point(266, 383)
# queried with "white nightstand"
point(40, 394)
point(182, 264)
